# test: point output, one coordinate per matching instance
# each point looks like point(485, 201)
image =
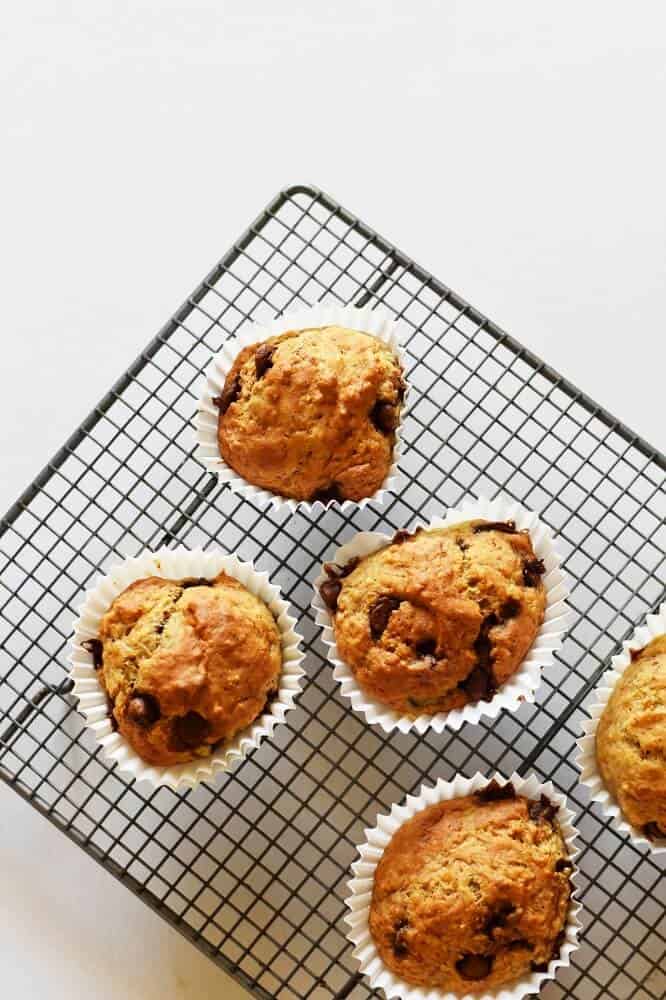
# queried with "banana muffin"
point(631, 740)
point(186, 664)
point(473, 893)
point(439, 618)
point(312, 414)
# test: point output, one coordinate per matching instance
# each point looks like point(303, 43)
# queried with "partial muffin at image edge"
point(473, 893)
point(439, 618)
point(186, 664)
point(312, 414)
point(631, 740)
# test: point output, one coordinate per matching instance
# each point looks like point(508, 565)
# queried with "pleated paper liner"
point(174, 564)
point(371, 321)
point(522, 685)
point(370, 852)
point(586, 758)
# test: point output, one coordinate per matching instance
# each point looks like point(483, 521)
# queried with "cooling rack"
point(253, 869)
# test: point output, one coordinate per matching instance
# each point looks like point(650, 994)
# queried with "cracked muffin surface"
point(631, 740)
point(186, 664)
point(439, 618)
point(473, 893)
point(312, 414)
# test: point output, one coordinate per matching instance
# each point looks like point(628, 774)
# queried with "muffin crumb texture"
point(186, 664)
point(473, 893)
point(438, 618)
point(312, 414)
point(631, 741)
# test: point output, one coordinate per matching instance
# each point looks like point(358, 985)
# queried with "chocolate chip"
point(498, 916)
point(557, 947)
point(399, 946)
point(543, 809)
point(479, 685)
point(462, 544)
point(426, 647)
point(338, 572)
point(474, 967)
point(403, 536)
point(563, 865)
point(494, 792)
point(634, 654)
point(519, 943)
point(533, 570)
point(653, 831)
point(329, 592)
point(508, 527)
point(384, 416)
point(270, 698)
point(95, 648)
point(379, 613)
point(189, 731)
point(510, 609)
point(109, 709)
point(230, 393)
point(327, 493)
point(263, 359)
point(196, 582)
point(539, 966)
point(143, 710)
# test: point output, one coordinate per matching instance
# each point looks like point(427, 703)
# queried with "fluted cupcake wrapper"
point(174, 564)
point(371, 321)
point(370, 852)
point(586, 757)
point(522, 685)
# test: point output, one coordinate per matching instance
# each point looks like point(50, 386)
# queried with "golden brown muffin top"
point(439, 618)
point(473, 893)
point(631, 740)
point(311, 414)
point(186, 664)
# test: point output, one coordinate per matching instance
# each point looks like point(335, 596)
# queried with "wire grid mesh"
point(253, 868)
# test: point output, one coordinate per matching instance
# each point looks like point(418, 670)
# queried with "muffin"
point(186, 664)
point(473, 893)
point(312, 414)
point(631, 740)
point(439, 618)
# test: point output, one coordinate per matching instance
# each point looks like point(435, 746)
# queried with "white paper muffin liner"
point(586, 758)
point(372, 321)
point(522, 685)
point(361, 885)
point(174, 564)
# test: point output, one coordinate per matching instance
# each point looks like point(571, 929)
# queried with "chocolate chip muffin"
point(312, 414)
point(439, 618)
point(631, 740)
point(473, 893)
point(186, 664)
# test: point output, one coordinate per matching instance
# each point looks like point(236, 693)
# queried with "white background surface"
point(515, 149)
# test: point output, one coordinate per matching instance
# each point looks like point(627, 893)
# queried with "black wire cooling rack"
point(253, 868)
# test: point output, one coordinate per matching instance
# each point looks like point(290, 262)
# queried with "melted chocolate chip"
point(508, 527)
point(338, 572)
point(510, 609)
point(399, 946)
point(479, 685)
point(95, 648)
point(634, 654)
point(563, 865)
point(188, 731)
point(109, 709)
point(230, 393)
point(196, 582)
point(270, 698)
point(653, 831)
point(403, 536)
point(533, 570)
point(143, 710)
point(474, 967)
point(384, 416)
point(263, 359)
point(462, 544)
point(539, 966)
point(498, 916)
point(426, 647)
point(329, 592)
point(332, 492)
point(380, 612)
point(494, 792)
point(543, 809)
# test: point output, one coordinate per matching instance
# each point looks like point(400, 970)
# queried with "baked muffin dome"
point(440, 618)
point(472, 893)
point(186, 664)
point(631, 740)
point(311, 414)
